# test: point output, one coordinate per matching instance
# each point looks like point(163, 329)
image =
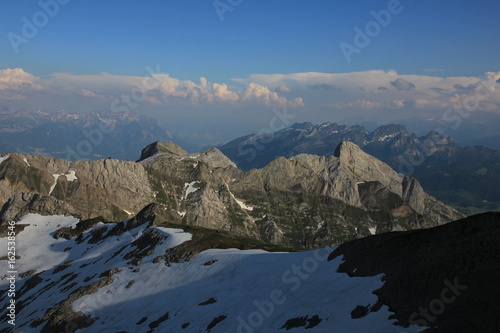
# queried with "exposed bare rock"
point(216, 158)
point(367, 168)
point(107, 188)
point(160, 147)
point(464, 177)
point(24, 203)
point(306, 201)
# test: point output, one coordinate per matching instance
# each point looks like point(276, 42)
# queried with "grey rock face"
point(160, 147)
point(367, 167)
point(110, 188)
point(464, 177)
point(305, 201)
point(24, 203)
point(216, 158)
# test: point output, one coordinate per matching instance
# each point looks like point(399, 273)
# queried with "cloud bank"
point(155, 89)
point(384, 90)
point(381, 95)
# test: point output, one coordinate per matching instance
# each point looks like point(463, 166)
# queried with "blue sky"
point(457, 40)
point(121, 37)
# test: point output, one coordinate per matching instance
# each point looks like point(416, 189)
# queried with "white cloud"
point(378, 89)
point(222, 93)
point(18, 79)
point(283, 89)
point(368, 92)
point(88, 93)
point(16, 84)
point(258, 93)
point(397, 104)
point(156, 89)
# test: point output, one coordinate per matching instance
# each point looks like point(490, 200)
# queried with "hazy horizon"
point(227, 68)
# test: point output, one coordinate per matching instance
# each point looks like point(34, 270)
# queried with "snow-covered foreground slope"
point(120, 282)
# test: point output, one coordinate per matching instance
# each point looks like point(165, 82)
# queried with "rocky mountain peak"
point(161, 147)
point(5, 110)
point(367, 167)
point(390, 129)
point(299, 202)
point(439, 139)
point(216, 158)
point(302, 126)
point(348, 149)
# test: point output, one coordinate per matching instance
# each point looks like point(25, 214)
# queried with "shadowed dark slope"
point(446, 277)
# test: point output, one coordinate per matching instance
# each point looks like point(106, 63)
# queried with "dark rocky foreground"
point(446, 278)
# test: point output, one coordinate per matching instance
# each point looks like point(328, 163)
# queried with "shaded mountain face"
point(142, 275)
point(74, 136)
point(465, 177)
point(306, 201)
point(445, 277)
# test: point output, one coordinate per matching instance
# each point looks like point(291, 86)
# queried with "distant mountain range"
point(75, 136)
point(479, 128)
point(467, 178)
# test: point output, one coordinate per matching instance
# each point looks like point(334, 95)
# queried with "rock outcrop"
point(110, 188)
point(466, 178)
point(306, 201)
point(159, 147)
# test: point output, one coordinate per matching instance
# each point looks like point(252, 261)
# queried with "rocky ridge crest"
point(306, 201)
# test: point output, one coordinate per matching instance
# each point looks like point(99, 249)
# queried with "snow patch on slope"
point(239, 291)
point(35, 245)
point(175, 237)
point(56, 177)
point(70, 176)
point(5, 158)
point(385, 137)
point(239, 202)
point(190, 188)
point(241, 283)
